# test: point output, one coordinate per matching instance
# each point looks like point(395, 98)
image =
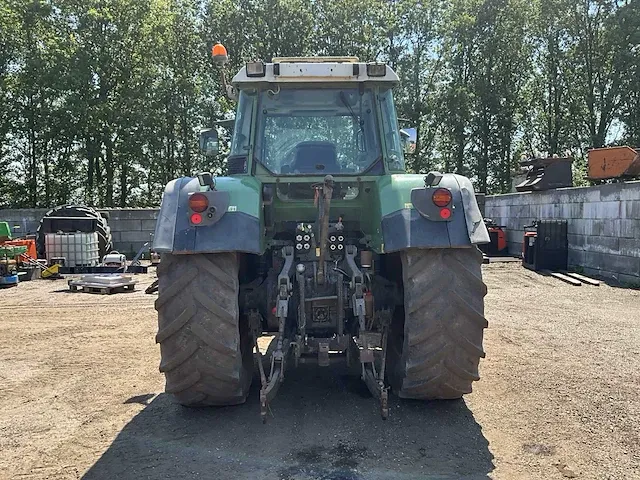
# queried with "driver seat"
point(315, 158)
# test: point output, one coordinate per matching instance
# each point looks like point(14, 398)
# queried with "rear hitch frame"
point(373, 379)
point(269, 386)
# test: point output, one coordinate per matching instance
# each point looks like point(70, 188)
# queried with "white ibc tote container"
point(78, 249)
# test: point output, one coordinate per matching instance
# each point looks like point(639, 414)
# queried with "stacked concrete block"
point(27, 219)
point(603, 224)
point(131, 228)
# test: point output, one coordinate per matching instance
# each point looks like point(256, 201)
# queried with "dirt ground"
point(80, 396)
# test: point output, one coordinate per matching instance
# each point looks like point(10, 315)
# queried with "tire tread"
point(438, 343)
point(205, 355)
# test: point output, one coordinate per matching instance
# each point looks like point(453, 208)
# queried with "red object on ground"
point(502, 238)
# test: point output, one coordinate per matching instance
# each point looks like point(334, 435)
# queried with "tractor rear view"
point(319, 237)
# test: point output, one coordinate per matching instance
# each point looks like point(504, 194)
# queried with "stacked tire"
point(79, 211)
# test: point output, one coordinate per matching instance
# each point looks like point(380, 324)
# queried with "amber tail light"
point(441, 197)
point(198, 202)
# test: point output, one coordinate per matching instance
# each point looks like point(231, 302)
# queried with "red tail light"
point(196, 219)
point(441, 197)
point(198, 202)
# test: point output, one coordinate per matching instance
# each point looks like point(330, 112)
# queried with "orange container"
point(613, 162)
point(29, 243)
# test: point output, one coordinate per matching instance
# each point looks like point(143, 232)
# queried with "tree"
point(101, 101)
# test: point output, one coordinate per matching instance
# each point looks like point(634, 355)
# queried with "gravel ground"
point(80, 396)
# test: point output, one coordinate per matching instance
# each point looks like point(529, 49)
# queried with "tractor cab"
point(313, 117)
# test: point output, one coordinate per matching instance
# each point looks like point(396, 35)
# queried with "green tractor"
point(319, 237)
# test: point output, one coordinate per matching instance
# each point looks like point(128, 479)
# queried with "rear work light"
point(376, 69)
point(198, 202)
point(255, 69)
point(441, 197)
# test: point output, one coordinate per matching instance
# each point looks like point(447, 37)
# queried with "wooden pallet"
point(583, 279)
point(101, 269)
point(103, 289)
point(574, 279)
point(504, 259)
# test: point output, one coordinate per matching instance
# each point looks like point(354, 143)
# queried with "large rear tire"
point(205, 344)
point(435, 344)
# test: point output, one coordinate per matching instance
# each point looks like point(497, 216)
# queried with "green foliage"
point(101, 101)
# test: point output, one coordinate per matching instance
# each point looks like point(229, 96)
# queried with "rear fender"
point(411, 220)
point(233, 224)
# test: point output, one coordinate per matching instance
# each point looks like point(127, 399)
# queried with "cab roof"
point(317, 70)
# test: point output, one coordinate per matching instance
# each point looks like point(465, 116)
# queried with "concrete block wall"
point(27, 219)
point(603, 224)
point(130, 227)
